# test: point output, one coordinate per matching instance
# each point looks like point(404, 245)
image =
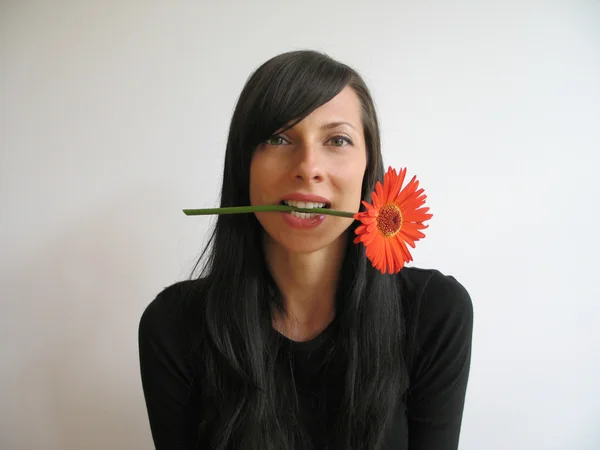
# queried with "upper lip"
point(300, 197)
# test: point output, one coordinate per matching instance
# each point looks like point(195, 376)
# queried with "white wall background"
point(114, 117)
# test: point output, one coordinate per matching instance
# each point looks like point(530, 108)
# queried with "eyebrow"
point(331, 125)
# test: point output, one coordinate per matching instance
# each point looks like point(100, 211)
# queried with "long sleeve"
point(167, 380)
point(440, 367)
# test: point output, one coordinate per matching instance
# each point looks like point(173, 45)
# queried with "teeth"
point(303, 215)
point(303, 205)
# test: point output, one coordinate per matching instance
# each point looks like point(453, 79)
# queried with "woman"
point(290, 339)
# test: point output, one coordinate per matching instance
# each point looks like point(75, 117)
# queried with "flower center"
point(389, 220)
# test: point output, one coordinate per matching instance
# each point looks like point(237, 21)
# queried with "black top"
point(438, 315)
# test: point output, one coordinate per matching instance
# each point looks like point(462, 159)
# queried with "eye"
point(276, 140)
point(341, 141)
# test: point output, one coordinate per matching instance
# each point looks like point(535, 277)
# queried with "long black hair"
point(248, 396)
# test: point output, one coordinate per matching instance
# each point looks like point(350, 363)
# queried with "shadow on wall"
point(72, 373)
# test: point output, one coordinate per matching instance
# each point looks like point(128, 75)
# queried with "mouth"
point(304, 205)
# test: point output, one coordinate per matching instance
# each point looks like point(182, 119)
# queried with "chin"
point(301, 248)
point(304, 245)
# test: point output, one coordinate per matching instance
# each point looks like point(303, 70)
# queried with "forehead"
point(344, 107)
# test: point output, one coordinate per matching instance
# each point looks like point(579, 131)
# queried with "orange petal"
point(388, 254)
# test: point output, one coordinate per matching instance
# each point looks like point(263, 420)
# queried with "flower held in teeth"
point(393, 221)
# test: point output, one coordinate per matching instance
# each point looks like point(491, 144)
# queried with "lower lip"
point(297, 222)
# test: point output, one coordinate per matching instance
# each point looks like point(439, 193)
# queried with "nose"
point(308, 163)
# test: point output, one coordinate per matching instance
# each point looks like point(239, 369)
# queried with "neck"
point(308, 283)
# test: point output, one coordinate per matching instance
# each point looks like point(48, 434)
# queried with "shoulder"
point(171, 302)
point(437, 311)
point(174, 313)
point(429, 292)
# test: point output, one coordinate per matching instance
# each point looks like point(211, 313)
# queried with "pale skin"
point(323, 155)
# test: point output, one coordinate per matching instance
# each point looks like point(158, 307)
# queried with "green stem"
point(265, 208)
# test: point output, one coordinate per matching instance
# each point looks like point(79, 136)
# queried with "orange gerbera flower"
point(393, 220)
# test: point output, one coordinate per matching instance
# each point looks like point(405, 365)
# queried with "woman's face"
point(322, 159)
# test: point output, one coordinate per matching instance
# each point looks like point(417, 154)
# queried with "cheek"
point(350, 187)
point(255, 178)
point(358, 173)
point(259, 179)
